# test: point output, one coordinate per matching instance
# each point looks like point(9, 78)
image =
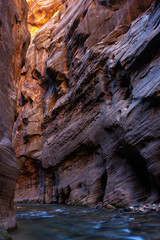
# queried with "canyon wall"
point(88, 106)
point(14, 41)
point(40, 11)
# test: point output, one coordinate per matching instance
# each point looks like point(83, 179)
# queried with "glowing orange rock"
point(40, 11)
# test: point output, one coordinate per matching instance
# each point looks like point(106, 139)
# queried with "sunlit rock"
point(40, 11)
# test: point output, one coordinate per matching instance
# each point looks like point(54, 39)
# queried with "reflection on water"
point(56, 222)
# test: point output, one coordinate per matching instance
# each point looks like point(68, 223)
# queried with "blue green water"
point(58, 222)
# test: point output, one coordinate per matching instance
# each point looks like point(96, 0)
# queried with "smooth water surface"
point(58, 222)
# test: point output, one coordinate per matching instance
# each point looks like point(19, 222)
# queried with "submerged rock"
point(145, 208)
point(4, 235)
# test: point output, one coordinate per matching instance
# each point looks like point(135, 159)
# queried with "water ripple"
point(54, 222)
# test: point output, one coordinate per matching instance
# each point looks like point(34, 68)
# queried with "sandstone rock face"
point(40, 11)
point(14, 40)
point(87, 129)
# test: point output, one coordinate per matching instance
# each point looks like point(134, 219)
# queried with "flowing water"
point(58, 222)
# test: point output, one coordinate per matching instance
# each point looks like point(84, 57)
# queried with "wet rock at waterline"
point(14, 41)
point(143, 208)
point(87, 127)
point(4, 234)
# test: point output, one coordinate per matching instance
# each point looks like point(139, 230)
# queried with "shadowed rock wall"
point(14, 40)
point(88, 108)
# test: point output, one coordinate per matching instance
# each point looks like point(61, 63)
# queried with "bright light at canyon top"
point(40, 12)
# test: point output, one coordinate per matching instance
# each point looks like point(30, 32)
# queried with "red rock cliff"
point(14, 40)
point(88, 105)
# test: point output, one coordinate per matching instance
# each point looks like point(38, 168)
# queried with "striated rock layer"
point(14, 40)
point(88, 106)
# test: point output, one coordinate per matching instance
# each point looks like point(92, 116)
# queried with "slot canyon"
point(79, 103)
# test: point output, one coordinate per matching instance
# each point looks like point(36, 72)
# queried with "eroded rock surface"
point(14, 40)
point(40, 11)
point(87, 129)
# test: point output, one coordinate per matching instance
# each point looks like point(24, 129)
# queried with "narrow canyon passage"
point(80, 103)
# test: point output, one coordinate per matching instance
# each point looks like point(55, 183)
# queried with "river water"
point(58, 222)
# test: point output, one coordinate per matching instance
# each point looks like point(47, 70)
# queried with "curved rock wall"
point(14, 41)
point(87, 130)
